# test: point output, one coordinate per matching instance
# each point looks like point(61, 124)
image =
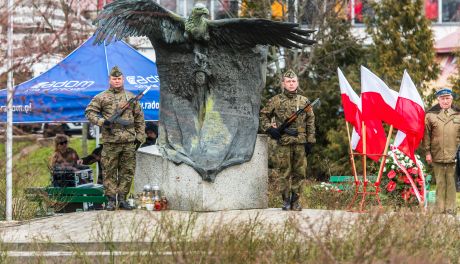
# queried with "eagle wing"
point(249, 32)
point(125, 18)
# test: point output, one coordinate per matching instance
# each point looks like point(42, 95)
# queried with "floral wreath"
point(398, 168)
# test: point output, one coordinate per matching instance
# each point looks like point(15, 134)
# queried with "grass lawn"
point(34, 165)
point(30, 169)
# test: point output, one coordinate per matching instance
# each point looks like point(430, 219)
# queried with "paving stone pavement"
point(139, 225)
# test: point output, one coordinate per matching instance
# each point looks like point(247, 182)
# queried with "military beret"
point(115, 72)
point(443, 91)
point(290, 74)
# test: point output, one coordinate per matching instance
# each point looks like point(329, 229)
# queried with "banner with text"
point(62, 93)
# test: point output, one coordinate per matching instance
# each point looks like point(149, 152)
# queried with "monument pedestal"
point(242, 186)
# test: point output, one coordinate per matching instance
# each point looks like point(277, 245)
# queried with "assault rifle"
point(116, 117)
point(276, 133)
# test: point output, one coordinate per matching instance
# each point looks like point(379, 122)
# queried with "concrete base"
point(241, 186)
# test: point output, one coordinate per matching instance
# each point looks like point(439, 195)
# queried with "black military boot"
point(286, 202)
point(111, 203)
point(295, 203)
point(123, 204)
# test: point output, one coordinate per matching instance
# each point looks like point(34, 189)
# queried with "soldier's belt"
point(120, 126)
point(291, 132)
point(295, 130)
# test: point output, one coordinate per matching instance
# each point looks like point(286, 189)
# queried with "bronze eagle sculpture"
point(212, 73)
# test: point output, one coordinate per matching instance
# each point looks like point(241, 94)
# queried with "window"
point(362, 9)
point(450, 10)
point(438, 11)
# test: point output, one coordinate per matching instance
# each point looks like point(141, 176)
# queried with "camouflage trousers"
point(289, 168)
point(118, 165)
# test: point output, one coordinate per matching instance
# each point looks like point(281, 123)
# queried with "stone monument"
point(212, 74)
point(242, 186)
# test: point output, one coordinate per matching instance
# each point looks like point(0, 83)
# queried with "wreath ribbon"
point(403, 169)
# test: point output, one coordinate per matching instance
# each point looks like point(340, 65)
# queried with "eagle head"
point(199, 10)
point(196, 26)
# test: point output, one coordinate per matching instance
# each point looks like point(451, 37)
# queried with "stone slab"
point(138, 225)
point(242, 186)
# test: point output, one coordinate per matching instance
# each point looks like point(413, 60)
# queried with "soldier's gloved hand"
point(274, 133)
point(138, 144)
point(106, 123)
point(308, 148)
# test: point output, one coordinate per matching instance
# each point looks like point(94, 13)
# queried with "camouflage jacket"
point(105, 104)
point(68, 158)
point(279, 108)
point(442, 134)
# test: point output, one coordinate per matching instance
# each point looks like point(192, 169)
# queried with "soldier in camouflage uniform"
point(120, 140)
point(295, 144)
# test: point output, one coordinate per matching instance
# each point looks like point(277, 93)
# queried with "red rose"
point(406, 180)
point(412, 191)
point(413, 170)
point(391, 174)
point(419, 181)
point(405, 195)
point(391, 186)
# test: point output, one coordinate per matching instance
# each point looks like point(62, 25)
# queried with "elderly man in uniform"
point(442, 137)
point(295, 144)
point(120, 140)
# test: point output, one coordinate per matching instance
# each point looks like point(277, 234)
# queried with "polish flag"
point(378, 100)
point(405, 143)
point(375, 134)
point(375, 140)
point(350, 101)
point(411, 108)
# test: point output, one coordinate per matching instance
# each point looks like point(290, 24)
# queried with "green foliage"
point(256, 8)
point(336, 47)
point(262, 9)
point(455, 79)
point(402, 39)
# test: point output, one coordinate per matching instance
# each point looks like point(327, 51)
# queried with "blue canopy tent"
point(62, 93)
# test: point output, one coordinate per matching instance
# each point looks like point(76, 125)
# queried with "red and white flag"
point(411, 108)
point(378, 100)
point(375, 134)
point(350, 101)
point(375, 140)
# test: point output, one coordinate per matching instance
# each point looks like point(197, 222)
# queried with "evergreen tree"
point(402, 39)
point(317, 69)
point(455, 79)
point(337, 47)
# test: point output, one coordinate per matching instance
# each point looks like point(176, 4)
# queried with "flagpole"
point(352, 157)
point(364, 152)
point(9, 117)
point(364, 192)
point(384, 156)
